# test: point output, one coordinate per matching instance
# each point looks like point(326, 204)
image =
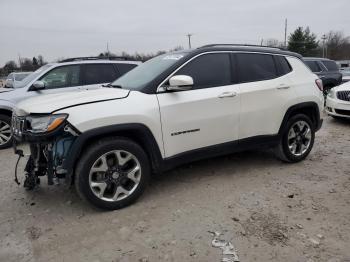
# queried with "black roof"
point(91, 58)
point(245, 48)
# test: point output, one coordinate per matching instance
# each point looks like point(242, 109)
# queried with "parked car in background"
point(346, 74)
point(338, 101)
point(68, 75)
point(13, 80)
point(173, 109)
point(327, 70)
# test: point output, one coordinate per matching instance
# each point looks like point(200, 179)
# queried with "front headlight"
point(331, 93)
point(45, 123)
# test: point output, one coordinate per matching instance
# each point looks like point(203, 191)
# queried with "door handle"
point(227, 94)
point(282, 87)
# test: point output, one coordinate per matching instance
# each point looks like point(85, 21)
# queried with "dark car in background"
point(327, 70)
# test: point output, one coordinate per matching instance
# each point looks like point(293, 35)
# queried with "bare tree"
point(272, 42)
point(338, 46)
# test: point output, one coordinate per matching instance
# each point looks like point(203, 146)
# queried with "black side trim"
point(265, 141)
point(93, 102)
point(307, 107)
point(139, 132)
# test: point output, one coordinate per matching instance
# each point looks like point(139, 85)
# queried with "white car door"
point(206, 115)
point(265, 93)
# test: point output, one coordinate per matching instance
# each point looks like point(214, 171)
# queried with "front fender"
point(134, 131)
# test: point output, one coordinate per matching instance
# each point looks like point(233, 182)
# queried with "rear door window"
point(330, 65)
point(314, 66)
point(124, 68)
point(255, 67)
point(99, 73)
point(208, 70)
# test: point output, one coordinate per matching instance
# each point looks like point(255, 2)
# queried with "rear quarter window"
point(283, 65)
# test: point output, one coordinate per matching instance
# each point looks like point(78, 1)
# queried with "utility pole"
point(189, 40)
point(324, 38)
point(20, 61)
point(285, 33)
point(107, 50)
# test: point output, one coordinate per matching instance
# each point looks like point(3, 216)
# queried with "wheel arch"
point(309, 109)
point(5, 112)
point(136, 132)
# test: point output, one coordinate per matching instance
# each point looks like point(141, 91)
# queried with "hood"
point(5, 89)
point(54, 102)
point(12, 94)
point(343, 87)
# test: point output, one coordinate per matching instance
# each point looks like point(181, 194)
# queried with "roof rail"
point(244, 45)
point(93, 58)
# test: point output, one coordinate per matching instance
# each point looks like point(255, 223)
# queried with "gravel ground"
point(267, 210)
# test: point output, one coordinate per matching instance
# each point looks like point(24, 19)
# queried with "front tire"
point(5, 132)
point(113, 173)
point(297, 139)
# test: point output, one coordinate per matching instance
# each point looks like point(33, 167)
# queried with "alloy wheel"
point(5, 133)
point(115, 175)
point(299, 138)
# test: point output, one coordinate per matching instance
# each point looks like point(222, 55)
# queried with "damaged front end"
point(50, 138)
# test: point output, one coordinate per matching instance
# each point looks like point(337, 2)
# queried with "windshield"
point(139, 77)
point(32, 76)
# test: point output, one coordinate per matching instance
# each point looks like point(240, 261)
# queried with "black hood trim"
point(92, 102)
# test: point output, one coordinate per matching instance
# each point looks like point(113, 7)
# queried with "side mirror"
point(9, 83)
point(180, 83)
point(38, 85)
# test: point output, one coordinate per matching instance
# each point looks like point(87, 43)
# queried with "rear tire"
point(5, 132)
point(297, 140)
point(105, 175)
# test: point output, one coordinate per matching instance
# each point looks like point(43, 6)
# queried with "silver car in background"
point(68, 75)
point(13, 80)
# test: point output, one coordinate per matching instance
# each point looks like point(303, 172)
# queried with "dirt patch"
point(34, 233)
point(268, 227)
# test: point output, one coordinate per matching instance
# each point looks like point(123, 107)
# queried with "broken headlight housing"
point(331, 93)
point(38, 124)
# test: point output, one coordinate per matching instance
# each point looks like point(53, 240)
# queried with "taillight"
point(319, 84)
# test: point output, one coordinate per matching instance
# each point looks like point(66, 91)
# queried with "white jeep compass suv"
point(173, 109)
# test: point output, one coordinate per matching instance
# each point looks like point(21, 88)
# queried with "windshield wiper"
point(116, 86)
point(110, 85)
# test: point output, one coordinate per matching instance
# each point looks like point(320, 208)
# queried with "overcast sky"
point(68, 28)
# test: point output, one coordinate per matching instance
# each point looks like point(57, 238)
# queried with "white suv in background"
point(68, 75)
point(338, 101)
point(173, 109)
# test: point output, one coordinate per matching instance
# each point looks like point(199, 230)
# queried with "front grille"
point(344, 95)
point(343, 112)
point(17, 125)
